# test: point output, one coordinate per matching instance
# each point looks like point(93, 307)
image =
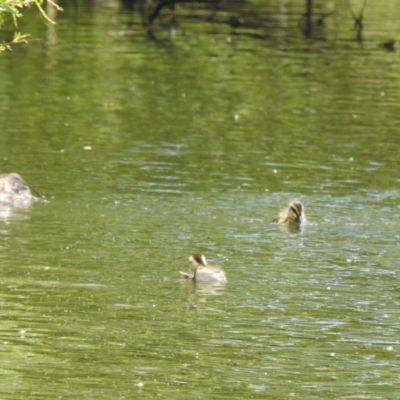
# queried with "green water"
point(151, 150)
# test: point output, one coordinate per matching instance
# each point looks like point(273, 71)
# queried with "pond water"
point(151, 149)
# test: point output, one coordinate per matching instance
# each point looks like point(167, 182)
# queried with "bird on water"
point(292, 215)
point(14, 191)
point(204, 272)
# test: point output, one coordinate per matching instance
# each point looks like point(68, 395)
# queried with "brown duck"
point(294, 214)
point(14, 191)
point(204, 272)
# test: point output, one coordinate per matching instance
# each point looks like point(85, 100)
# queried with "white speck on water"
point(389, 348)
point(275, 171)
point(87, 148)
point(332, 354)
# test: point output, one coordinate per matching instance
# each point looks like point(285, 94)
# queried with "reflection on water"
point(293, 228)
point(207, 288)
point(9, 214)
point(196, 142)
point(200, 292)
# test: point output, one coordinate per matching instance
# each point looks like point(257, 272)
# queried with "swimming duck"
point(294, 214)
point(14, 191)
point(203, 272)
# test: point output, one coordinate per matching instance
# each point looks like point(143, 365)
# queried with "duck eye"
point(294, 211)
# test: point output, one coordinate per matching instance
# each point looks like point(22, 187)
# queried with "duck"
point(292, 215)
point(204, 272)
point(14, 191)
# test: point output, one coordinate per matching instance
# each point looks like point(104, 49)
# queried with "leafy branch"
point(13, 9)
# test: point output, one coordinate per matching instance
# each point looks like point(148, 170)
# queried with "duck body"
point(203, 272)
point(292, 215)
point(14, 191)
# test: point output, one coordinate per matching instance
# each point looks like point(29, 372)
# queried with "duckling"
point(294, 214)
point(203, 272)
point(14, 191)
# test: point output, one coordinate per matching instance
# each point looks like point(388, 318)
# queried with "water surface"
point(150, 150)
